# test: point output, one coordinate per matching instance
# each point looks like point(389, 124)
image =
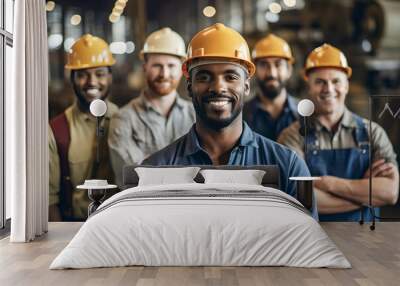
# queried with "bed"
point(201, 224)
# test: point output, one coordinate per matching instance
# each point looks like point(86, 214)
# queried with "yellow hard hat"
point(221, 42)
point(164, 41)
point(327, 56)
point(272, 46)
point(89, 52)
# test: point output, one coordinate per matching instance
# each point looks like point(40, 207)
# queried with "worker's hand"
point(390, 172)
point(381, 169)
point(325, 184)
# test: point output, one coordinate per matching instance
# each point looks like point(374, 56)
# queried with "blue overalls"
point(349, 163)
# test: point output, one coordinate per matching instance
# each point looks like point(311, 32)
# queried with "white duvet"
point(201, 224)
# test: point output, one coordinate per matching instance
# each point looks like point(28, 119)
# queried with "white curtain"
point(27, 123)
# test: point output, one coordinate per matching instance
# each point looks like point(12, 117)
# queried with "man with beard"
point(338, 145)
point(272, 109)
point(159, 115)
point(218, 71)
point(72, 136)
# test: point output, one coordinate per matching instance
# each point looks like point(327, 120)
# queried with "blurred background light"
point(209, 11)
point(366, 46)
point(50, 6)
point(113, 18)
point(55, 41)
point(271, 17)
point(118, 48)
point(76, 19)
point(130, 47)
point(117, 10)
point(68, 44)
point(275, 8)
point(289, 3)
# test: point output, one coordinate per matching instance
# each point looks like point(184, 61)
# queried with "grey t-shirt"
point(138, 130)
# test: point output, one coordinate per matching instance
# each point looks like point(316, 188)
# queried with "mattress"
point(201, 225)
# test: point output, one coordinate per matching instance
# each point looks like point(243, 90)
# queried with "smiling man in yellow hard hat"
point(72, 136)
point(159, 115)
point(338, 144)
point(272, 109)
point(218, 71)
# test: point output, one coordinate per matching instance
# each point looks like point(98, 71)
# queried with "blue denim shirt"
point(252, 149)
point(261, 121)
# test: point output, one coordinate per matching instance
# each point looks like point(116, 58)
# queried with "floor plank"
point(375, 257)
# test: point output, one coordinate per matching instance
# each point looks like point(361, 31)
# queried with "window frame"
point(6, 39)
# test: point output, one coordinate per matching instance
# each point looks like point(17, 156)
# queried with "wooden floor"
point(375, 257)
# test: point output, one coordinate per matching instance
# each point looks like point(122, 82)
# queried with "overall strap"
point(60, 128)
point(361, 137)
point(101, 145)
point(310, 138)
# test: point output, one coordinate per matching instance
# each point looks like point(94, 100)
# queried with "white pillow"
point(166, 176)
point(248, 177)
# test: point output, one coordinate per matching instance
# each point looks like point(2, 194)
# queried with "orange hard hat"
point(218, 42)
point(89, 52)
point(272, 46)
point(327, 56)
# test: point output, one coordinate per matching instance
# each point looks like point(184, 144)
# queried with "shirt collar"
point(179, 102)
point(192, 145)
point(347, 121)
point(247, 139)
point(290, 103)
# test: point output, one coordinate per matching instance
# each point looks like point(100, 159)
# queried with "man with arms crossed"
point(337, 144)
